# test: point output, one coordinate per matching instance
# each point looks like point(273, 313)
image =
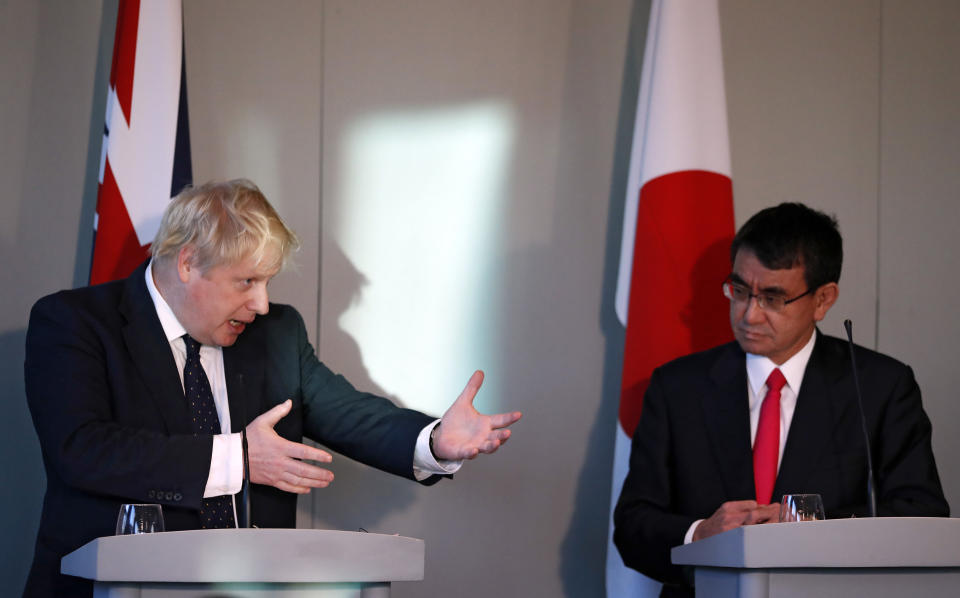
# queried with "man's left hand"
point(464, 432)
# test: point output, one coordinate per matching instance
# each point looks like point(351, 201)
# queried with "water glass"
point(801, 507)
point(139, 519)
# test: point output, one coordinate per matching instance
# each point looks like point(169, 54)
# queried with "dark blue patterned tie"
point(216, 512)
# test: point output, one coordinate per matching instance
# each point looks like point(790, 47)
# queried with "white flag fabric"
point(678, 224)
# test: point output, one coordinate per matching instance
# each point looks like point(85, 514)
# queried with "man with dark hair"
point(726, 432)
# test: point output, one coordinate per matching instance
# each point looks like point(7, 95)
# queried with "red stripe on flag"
point(116, 252)
point(680, 258)
point(125, 54)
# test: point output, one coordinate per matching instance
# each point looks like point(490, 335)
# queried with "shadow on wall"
point(707, 307)
point(22, 468)
point(355, 499)
point(589, 527)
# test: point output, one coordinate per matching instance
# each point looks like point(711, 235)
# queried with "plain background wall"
point(849, 106)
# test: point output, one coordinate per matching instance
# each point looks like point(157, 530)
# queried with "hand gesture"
point(276, 461)
point(464, 432)
point(734, 514)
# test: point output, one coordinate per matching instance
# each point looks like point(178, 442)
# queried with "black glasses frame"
point(765, 301)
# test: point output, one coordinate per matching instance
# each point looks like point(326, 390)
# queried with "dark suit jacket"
point(691, 450)
point(109, 409)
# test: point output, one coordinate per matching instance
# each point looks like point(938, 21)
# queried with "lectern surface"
point(848, 558)
point(249, 555)
point(865, 542)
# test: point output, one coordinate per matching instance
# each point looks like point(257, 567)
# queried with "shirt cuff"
point(693, 528)
point(226, 466)
point(424, 464)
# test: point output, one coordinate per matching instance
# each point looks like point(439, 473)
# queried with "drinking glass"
point(801, 507)
point(139, 519)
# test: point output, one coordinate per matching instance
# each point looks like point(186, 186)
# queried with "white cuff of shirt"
point(693, 528)
point(226, 466)
point(424, 465)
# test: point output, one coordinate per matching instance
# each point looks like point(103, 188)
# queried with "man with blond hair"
point(138, 389)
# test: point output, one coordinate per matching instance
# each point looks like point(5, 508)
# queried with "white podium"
point(246, 563)
point(840, 558)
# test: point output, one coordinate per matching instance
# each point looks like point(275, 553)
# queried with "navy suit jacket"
point(691, 450)
point(113, 424)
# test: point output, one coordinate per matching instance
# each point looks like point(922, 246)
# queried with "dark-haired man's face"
point(776, 335)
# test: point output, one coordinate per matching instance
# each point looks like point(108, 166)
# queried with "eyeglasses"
point(771, 302)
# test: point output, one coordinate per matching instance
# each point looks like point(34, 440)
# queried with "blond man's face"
point(220, 303)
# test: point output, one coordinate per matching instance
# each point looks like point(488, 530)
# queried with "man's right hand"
point(734, 514)
point(277, 462)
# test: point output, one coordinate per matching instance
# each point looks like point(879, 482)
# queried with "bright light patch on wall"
point(419, 215)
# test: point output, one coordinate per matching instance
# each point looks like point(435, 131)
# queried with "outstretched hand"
point(464, 432)
point(275, 461)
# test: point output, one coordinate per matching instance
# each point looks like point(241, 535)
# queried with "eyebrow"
point(736, 279)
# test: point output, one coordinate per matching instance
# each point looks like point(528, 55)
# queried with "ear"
point(185, 263)
point(824, 298)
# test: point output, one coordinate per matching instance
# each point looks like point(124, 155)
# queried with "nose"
point(752, 314)
point(259, 301)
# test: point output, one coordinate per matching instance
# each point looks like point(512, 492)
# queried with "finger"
point(282, 485)
point(738, 505)
point(275, 414)
point(762, 514)
point(491, 446)
point(499, 436)
point(502, 420)
point(299, 481)
point(298, 450)
point(308, 473)
point(470, 390)
point(770, 513)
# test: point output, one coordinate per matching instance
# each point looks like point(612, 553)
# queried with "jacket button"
point(177, 496)
point(151, 493)
point(168, 496)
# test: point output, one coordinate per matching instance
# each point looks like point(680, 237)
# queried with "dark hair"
point(791, 234)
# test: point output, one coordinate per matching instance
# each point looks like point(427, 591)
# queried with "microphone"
point(871, 490)
point(244, 511)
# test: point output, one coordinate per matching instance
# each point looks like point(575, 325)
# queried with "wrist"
point(433, 434)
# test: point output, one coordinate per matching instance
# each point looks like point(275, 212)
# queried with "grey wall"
point(852, 107)
point(849, 106)
point(527, 271)
point(47, 82)
point(919, 209)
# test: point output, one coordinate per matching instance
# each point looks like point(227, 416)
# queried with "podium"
point(247, 563)
point(839, 558)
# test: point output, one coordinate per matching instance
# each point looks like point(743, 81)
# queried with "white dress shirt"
point(758, 370)
point(226, 462)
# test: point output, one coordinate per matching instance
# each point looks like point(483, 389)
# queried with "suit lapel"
point(728, 422)
point(243, 365)
point(816, 414)
point(150, 352)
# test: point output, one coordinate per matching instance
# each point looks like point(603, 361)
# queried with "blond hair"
point(224, 222)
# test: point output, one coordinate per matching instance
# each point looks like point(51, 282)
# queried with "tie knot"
point(193, 345)
point(775, 380)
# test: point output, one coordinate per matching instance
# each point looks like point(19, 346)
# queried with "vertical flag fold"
point(678, 222)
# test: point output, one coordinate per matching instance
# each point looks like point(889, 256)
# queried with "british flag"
point(145, 158)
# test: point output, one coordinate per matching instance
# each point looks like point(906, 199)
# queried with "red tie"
point(766, 446)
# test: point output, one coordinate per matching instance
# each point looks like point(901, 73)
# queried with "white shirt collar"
point(171, 325)
point(759, 368)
